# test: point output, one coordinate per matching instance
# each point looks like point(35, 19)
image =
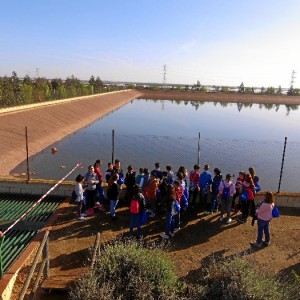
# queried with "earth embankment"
point(48, 124)
point(219, 97)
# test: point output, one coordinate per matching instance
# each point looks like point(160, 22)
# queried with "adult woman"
point(91, 180)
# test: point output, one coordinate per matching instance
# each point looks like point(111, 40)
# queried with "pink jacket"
point(264, 212)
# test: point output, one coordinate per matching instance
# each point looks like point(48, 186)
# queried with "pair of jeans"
point(245, 209)
point(225, 206)
point(113, 205)
point(90, 198)
point(214, 201)
point(135, 220)
point(169, 223)
point(263, 227)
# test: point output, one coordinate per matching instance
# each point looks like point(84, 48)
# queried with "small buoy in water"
point(53, 150)
point(63, 167)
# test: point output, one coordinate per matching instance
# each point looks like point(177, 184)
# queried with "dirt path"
point(200, 238)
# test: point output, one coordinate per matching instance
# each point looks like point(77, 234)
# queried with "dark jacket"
point(113, 192)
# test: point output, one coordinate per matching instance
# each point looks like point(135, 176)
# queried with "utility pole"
point(293, 78)
point(291, 90)
point(164, 74)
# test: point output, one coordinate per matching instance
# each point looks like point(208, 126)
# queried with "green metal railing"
point(17, 239)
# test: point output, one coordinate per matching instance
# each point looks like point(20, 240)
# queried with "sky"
point(218, 42)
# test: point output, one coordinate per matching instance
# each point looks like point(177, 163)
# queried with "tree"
point(92, 80)
point(291, 91)
point(203, 89)
point(270, 91)
point(98, 85)
point(279, 90)
point(241, 88)
point(16, 88)
point(225, 89)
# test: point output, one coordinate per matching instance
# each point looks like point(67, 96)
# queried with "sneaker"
point(164, 236)
point(229, 221)
point(266, 243)
point(84, 215)
point(221, 219)
point(152, 215)
point(176, 229)
point(81, 218)
point(255, 245)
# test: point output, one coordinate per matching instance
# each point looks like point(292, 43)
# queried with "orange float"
point(53, 150)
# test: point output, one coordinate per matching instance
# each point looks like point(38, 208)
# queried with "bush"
point(237, 279)
point(126, 270)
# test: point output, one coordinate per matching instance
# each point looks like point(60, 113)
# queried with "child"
point(178, 194)
point(151, 194)
point(113, 193)
point(162, 191)
point(226, 191)
point(137, 207)
point(205, 181)
point(170, 212)
point(139, 177)
point(100, 191)
point(215, 190)
point(264, 216)
point(238, 189)
point(109, 171)
point(170, 174)
point(194, 185)
point(130, 182)
point(247, 202)
point(79, 196)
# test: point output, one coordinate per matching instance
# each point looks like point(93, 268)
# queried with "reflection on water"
point(240, 106)
point(167, 131)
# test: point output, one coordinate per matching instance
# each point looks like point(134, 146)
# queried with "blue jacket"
point(205, 180)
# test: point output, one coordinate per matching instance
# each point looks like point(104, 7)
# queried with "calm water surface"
point(233, 137)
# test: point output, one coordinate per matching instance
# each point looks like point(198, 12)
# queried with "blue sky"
point(213, 41)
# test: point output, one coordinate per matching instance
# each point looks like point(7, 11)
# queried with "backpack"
point(257, 187)
point(244, 196)
point(226, 192)
point(134, 206)
point(275, 212)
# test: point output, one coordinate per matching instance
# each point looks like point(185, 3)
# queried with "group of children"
point(149, 193)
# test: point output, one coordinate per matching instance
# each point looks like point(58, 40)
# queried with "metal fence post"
point(198, 161)
point(27, 156)
point(1, 262)
point(113, 146)
point(282, 163)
